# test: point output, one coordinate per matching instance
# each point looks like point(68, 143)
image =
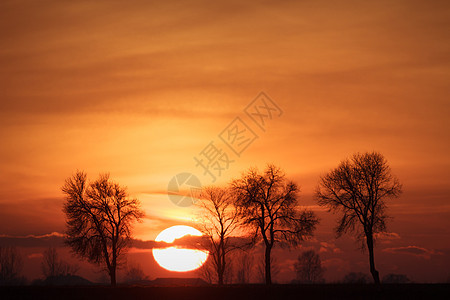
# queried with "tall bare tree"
point(99, 220)
point(219, 218)
point(358, 189)
point(243, 266)
point(11, 264)
point(309, 267)
point(270, 210)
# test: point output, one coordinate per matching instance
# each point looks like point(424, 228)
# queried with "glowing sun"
point(177, 258)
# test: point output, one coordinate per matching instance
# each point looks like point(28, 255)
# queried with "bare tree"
point(50, 263)
point(134, 273)
point(99, 220)
point(219, 219)
point(309, 267)
point(53, 266)
point(207, 272)
point(244, 265)
point(10, 266)
point(357, 189)
point(270, 210)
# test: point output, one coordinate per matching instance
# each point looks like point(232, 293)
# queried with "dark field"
point(234, 292)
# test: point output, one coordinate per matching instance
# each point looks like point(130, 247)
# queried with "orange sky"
point(139, 88)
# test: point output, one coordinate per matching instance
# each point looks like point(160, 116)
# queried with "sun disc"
point(175, 258)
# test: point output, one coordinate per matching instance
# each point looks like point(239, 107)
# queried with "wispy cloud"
point(44, 240)
point(329, 247)
point(35, 255)
point(53, 234)
point(413, 250)
point(387, 237)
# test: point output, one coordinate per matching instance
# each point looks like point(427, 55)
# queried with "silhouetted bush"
point(356, 278)
point(396, 278)
point(65, 280)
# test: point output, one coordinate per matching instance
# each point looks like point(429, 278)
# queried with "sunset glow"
point(148, 90)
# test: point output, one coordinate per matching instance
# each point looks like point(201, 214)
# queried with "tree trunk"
point(112, 275)
point(373, 271)
point(267, 265)
point(221, 263)
point(220, 275)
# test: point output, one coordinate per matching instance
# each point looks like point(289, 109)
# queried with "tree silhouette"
point(396, 278)
point(244, 265)
point(356, 278)
point(52, 266)
point(269, 209)
point(357, 189)
point(11, 264)
point(134, 273)
point(207, 272)
point(99, 220)
point(218, 221)
point(309, 267)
